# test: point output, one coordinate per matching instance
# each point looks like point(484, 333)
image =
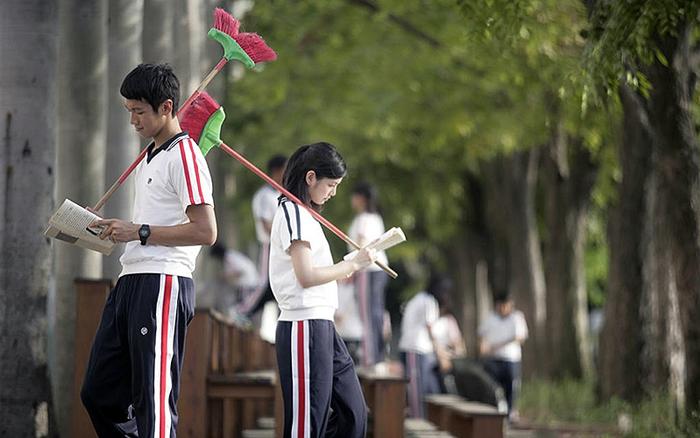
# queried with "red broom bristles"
point(255, 47)
point(225, 22)
point(196, 115)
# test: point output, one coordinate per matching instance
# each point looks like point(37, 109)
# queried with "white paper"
point(392, 237)
point(70, 224)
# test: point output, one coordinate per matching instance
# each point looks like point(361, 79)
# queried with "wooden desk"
point(385, 395)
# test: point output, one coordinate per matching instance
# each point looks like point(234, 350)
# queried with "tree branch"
point(401, 22)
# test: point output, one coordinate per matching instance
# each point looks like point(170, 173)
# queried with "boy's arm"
point(200, 230)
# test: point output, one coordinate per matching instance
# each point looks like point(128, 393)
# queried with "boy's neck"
point(170, 129)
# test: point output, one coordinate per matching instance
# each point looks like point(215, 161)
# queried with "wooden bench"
point(385, 395)
point(465, 419)
point(228, 380)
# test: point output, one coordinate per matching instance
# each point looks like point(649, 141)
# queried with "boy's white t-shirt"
point(264, 208)
point(296, 303)
point(496, 329)
point(175, 177)
point(420, 311)
point(366, 227)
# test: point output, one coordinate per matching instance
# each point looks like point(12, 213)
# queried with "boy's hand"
point(117, 230)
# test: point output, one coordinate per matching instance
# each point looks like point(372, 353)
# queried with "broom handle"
point(313, 212)
point(208, 78)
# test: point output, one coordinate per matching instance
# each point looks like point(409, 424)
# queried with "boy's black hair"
point(153, 83)
point(501, 296)
point(322, 158)
point(369, 192)
point(276, 162)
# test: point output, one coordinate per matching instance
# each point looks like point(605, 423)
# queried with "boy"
point(501, 337)
point(132, 379)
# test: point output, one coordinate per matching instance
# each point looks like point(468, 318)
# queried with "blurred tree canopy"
point(414, 95)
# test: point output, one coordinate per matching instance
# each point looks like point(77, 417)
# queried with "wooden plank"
point(89, 303)
point(231, 418)
point(192, 403)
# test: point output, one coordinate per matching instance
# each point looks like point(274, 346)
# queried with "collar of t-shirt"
point(152, 153)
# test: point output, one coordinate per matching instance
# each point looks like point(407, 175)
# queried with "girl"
point(316, 371)
point(370, 282)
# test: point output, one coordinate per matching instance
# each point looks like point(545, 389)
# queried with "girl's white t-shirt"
point(296, 303)
point(366, 227)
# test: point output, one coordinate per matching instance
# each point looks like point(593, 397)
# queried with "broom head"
point(255, 47)
point(203, 120)
point(249, 48)
point(225, 22)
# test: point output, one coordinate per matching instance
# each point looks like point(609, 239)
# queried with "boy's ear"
point(310, 177)
point(166, 107)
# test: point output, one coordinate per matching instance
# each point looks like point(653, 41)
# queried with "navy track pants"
point(132, 378)
point(321, 391)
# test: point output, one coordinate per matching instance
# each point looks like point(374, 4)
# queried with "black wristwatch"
point(144, 233)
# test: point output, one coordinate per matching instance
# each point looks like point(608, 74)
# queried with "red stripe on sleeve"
point(302, 383)
point(196, 171)
point(187, 171)
point(164, 351)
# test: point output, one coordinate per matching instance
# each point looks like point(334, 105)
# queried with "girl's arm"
point(309, 275)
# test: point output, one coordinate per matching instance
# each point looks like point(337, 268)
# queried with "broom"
point(248, 48)
point(204, 120)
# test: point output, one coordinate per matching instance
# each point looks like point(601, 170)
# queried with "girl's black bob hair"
point(322, 158)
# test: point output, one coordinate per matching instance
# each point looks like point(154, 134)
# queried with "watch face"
point(143, 232)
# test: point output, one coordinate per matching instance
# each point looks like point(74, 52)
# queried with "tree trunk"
point(676, 165)
point(82, 79)
point(125, 24)
point(157, 36)
point(28, 43)
point(188, 37)
point(621, 340)
point(515, 259)
point(469, 267)
point(568, 177)
point(527, 285)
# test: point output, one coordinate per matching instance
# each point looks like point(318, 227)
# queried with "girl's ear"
point(310, 177)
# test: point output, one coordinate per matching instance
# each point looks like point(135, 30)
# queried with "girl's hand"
point(364, 258)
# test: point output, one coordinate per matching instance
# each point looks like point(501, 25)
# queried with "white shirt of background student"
point(366, 227)
point(420, 312)
point(265, 205)
point(502, 333)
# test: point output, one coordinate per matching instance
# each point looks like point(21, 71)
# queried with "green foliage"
point(626, 36)
point(572, 401)
point(407, 114)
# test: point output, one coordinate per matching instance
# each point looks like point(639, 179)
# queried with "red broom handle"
point(313, 212)
point(208, 78)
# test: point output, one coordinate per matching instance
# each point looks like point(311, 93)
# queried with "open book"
point(392, 237)
point(71, 223)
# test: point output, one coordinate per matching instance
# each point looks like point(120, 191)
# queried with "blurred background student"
point(264, 206)
point(370, 283)
point(501, 336)
point(447, 342)
point(416, 346)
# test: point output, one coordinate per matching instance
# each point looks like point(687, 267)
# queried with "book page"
point(391, 238)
